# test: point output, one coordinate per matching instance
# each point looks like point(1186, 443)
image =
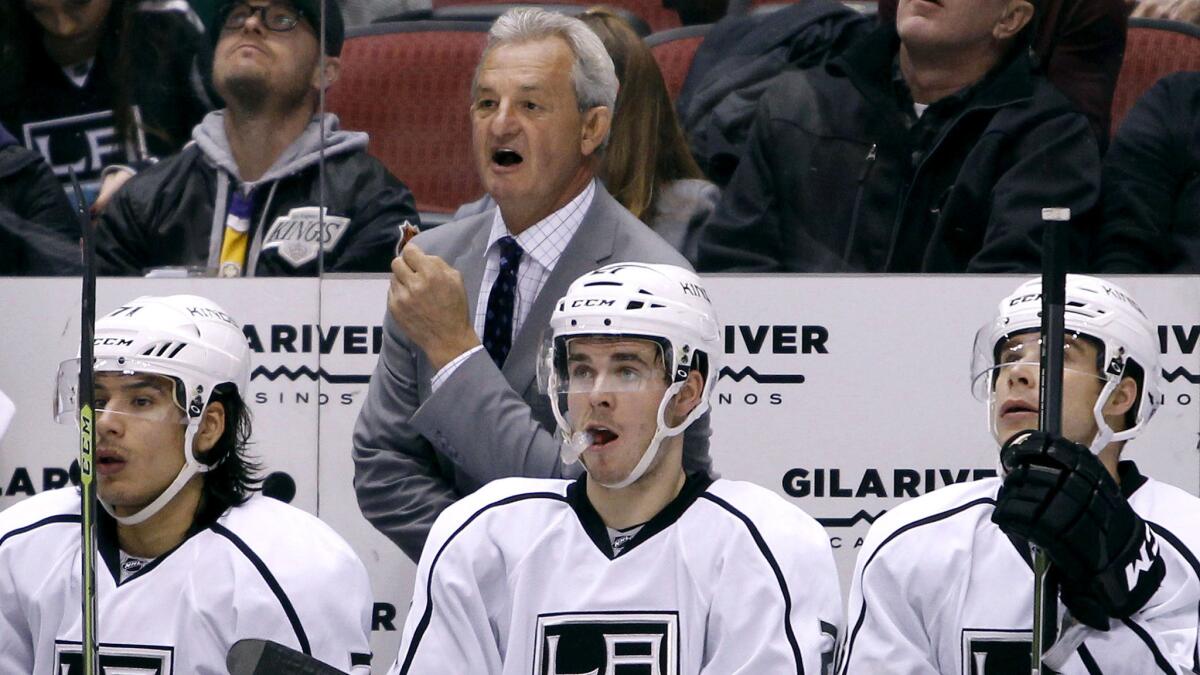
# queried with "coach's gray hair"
point(592, 74)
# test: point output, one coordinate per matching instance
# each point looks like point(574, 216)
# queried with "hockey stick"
point(87, 435)
point(1050, 377)
point(265, 657)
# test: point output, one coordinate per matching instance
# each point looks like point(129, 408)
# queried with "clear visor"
point(582, 372)
point(1020, 354)
point(125, 386)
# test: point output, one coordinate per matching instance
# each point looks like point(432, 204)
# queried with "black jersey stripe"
point(1089, 661)
point(1169, 536)
point(862, 612)
point(427, 615)
point(52, 520)
point(272, 583)
point(766, 551)
point(1159, 659)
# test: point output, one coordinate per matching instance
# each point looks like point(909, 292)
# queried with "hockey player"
point(635, 566)
point(944, 583)
point(191, 559)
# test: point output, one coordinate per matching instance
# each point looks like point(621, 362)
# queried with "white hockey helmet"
point(187, 338)
point(661, 303)
point(1094, 308)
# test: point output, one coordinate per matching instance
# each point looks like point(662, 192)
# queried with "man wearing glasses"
point(242, 200)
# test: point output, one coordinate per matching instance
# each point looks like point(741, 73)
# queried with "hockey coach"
point(944, 583)
point(636, 566)
point(192, 558)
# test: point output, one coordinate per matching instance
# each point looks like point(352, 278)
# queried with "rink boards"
point(844, 394)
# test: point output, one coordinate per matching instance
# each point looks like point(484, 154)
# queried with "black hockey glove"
point(1058, 496)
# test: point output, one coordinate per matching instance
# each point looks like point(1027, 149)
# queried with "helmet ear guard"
point(664, 304)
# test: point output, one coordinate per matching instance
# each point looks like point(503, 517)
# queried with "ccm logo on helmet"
point(592, 302)
point(113, 342)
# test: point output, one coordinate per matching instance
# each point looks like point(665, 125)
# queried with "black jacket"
point(1152, 184)
point(174, 212)
point(834, 179)
point(78, 125)
point(39, 233)
point(737, 62)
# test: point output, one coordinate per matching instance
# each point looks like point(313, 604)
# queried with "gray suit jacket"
point(416, 452)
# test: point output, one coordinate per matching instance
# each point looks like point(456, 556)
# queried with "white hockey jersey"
point(939, 589)
point(519, 577)
point(262, 570)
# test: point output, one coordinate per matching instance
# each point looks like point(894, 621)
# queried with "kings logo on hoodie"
point(301, 235)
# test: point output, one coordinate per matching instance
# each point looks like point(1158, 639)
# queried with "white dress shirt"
point(543, 244)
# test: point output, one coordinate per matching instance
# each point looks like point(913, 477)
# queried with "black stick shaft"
point(87, 437)
point(1054, 291)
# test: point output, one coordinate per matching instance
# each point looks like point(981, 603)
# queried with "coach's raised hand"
point(428, 302)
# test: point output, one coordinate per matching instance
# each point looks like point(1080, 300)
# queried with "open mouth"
point(108, 462)
point(602, 436)
point(506, 157)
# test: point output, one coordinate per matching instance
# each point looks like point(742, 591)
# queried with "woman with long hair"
point(646, 165)
point(96, 83)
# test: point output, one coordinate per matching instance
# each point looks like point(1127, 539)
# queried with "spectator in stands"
point(100, 83)
point(1080, 45)
point(453, 402)
point(1152, 184)
point(1187, 11)
point(646, 164)
point(39, 234)
point(243, 199)
point(931, 150)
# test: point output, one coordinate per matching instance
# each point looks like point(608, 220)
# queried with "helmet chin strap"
point(662, 432)
point(191, 467)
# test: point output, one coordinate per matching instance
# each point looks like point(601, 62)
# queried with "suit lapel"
point(592, 245)
point(470, 263)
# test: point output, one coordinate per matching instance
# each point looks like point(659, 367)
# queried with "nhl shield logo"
point(996, 652)
point(115, 659)
point(300, 236)
point(607, 643)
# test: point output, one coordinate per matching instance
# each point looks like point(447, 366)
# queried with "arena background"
point(844, 394)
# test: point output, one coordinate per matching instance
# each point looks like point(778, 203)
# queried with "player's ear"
point(212, 425)
point(1122, 399)
point(688, 397)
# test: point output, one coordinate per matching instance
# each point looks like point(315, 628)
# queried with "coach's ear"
point(687, 399)
point(212, 425)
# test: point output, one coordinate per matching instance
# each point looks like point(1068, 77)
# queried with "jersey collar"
point(693, 487)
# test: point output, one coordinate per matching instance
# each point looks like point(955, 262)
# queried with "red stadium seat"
point(1153, 48)
point(653, 12)
point(407, 84)
point(674, 50)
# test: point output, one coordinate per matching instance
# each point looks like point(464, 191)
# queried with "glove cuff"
point(1134, 575)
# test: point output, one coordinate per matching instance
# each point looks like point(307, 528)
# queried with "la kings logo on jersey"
point(115, 659)
point(996, 652)
point(607, 643)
